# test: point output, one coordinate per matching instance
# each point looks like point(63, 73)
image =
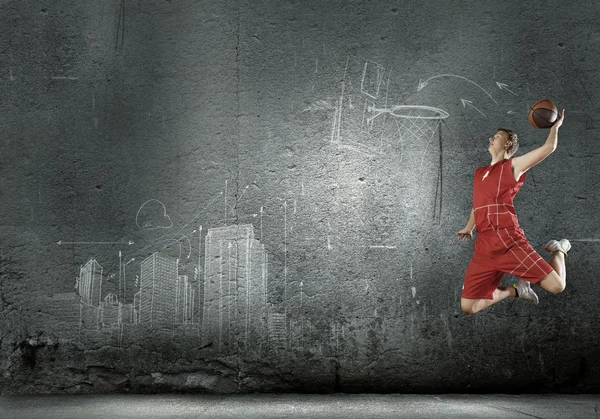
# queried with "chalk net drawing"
point(412, 121)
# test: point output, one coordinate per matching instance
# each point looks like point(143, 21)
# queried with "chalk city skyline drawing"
point(227, 303)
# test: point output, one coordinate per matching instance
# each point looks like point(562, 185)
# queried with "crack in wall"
point(236, 140)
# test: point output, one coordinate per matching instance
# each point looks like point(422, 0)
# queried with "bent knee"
point(555, 288)
point(467, 308)
point(553, 283)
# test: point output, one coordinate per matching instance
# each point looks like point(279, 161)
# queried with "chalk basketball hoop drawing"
point(413, 121)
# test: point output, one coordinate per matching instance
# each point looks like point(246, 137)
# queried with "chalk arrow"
point(511, 112)
point(503, 86)
point(466, 102)
point(60, 242)
point(424, 83)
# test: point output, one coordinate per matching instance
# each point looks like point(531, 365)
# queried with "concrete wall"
point(211, 196)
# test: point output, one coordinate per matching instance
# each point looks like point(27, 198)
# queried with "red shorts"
point(499, 252)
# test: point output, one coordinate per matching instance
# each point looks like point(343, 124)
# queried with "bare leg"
point(473, 306)
point(557, 261)
point(556, 281)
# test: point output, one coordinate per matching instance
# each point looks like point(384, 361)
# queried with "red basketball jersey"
point(494, 188)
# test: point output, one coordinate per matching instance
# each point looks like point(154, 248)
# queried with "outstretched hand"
point(559, 120)
point(465, 234)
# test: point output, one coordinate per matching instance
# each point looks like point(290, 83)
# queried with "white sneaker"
point(558, 246)
point(525, 292)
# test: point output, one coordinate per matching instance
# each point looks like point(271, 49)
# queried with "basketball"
point(543, 113)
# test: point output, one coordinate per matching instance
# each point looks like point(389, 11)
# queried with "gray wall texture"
point(238, 196)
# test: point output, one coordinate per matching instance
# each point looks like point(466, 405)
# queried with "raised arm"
point(523, 163)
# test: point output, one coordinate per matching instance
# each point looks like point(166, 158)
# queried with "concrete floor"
point(347, 406)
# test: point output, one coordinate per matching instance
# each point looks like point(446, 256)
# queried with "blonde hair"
point(513, 138)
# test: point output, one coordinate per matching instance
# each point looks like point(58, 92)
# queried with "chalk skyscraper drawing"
point(186, 301)
point(158, 290)
point(90, 283)
point(235, 289)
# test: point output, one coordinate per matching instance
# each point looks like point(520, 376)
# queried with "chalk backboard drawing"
point(346, 121)
point(371, 79)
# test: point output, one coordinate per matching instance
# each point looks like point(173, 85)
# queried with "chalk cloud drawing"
point(153, 215)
